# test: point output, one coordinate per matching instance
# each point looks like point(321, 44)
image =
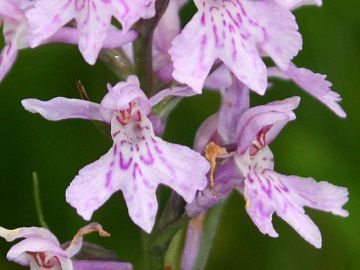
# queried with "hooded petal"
point(27, 232)
point(123, 93)
point(64, 108)
point(264, 123)
point(93, 20)
point(234, 32)
point(313, 83)
point(39, 248)
point(19, 253)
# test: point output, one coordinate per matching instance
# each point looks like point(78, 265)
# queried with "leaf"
point(210, 229)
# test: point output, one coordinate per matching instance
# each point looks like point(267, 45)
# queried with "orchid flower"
point(93, 19)
point(16, 33)
point(266, 191)
point(41, 250)
point(137, 162)
point(251, 170)
point(238, 33)
point(14, 28)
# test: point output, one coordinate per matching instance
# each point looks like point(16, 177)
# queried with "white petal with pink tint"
point(235, 32)
point(313, 83)
point(293, 4)
point(138, 162)
point(93, 20)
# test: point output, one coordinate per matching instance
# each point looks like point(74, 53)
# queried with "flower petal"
point(123, 93)
point(64, 108)
point(9, 9)
point(175, 91)
point(313, 83)
point(93, 20)
point(267, 119)
point(167, 28)
point(235, 32)
point(293, 4)
point(280, 39)
point(220, 78)
point(193, 54)
point(267, 192)
point(93, 185)
point(318, 195)
point(138, 162)
point(7, 59)
point(227, 178)
point(18, 252)
point(235, 101)
point(207, 132)
point(113, 38)
point(140, 197)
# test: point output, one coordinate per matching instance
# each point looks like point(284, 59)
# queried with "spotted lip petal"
point(234, 32)
point(138, 162)
point(267, 192)
point(93, 20)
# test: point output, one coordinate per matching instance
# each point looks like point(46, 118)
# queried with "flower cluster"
point(221, 48)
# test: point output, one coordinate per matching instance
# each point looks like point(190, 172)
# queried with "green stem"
point(36, 190)
point(157, 243)
point(143, 47)
point(118, 62)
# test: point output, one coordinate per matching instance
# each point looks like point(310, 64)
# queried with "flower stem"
point(118, 62)
point(143, 47)
point(36, 190)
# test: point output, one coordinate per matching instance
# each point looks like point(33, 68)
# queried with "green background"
point(317, 144)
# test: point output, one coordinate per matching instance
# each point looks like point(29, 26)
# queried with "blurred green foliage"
point(317, 144)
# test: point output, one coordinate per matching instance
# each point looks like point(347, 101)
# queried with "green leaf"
point(174, 252)
point(210, 229)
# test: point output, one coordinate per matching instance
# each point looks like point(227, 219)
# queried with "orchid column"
point(222, 49)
